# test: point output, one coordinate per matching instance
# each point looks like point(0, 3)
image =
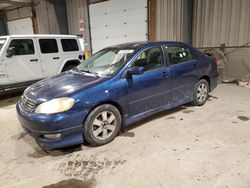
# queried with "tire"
point(102, 125)
point(201, 92)
point(68, 67)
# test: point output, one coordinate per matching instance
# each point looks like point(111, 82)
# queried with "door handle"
point(195, 66)
point(32, 60)
point(56, 57)
point(164, 75)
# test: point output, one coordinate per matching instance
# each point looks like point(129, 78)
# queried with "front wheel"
point(201, 92)
point(102, 125)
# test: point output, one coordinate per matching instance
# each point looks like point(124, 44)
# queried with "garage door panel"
point(120, 30)
point(20, 26)
point(130, 17)
point(114, 6)
point(118, 21)
point(117, 40)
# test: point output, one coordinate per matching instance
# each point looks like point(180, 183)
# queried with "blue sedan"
point(117, 86)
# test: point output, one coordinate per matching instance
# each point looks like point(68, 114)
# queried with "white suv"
point(27, 58)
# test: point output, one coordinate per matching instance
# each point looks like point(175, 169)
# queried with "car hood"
point(60, 86)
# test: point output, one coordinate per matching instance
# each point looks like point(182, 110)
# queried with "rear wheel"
point(102, 125)
point(201, 92)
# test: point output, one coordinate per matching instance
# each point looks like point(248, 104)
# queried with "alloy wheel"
point(202, 92)
point(104, 125)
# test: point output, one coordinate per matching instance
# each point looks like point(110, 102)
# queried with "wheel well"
point(107, 102)
point(71, 62)
point(207, 79)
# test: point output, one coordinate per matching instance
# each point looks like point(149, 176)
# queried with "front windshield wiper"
point(90, 72)
point(76, 69)
point(86, 71)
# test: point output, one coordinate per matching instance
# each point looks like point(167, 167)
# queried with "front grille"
point(27, 104)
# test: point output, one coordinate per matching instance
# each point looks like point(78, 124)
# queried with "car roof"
point(141, 44)
point(39, 36)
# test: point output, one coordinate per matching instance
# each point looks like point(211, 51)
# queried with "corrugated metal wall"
point(174, 20)
point(221, 21)
point(76, 10)
point(169, 20)
point(14, 13)
point(46, 18)
point(214, 22)
point(3, 27)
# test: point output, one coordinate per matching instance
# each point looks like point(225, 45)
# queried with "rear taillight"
point(215, 61)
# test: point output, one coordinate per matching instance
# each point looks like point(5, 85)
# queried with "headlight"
point(55, 106)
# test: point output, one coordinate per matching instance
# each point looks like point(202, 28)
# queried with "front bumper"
point(68, 125)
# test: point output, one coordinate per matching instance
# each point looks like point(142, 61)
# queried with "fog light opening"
point(52, 136)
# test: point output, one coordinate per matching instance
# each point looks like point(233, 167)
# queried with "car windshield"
point(2, 41)
point(106, 62)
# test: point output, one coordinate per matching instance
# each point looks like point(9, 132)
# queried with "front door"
point(24, 64)
point(151, 89)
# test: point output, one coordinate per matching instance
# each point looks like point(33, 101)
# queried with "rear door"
point(151, 89)
point(24, 65)
point(49, 56)
point(183, 69)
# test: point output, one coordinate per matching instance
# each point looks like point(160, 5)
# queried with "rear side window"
point(22, 46)
point(179, 54)
point(48, 46)
point(69, 45)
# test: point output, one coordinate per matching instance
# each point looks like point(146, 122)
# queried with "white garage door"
point(118, 21)
point(21, 26)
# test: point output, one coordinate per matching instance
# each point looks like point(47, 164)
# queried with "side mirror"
point(11, 51)
point(136, 70)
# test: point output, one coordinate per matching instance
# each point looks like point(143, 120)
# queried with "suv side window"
point(22, 46)
point(179, 54)
point(150, 59)
point(69, 45)
point(48, 46)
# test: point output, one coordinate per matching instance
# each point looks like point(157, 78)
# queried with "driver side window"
point(150, 59)
point(22, 46)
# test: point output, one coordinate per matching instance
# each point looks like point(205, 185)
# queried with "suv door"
point(183, 67)
point(24, 64)
point(151, 89)
point(49, 55)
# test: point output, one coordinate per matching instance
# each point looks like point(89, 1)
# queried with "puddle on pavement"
point(19, 136)
point(213, 97)
point(128, 134)
point(73, 183)
point(187, 111)
point(171, 117)
point(243, 118)
point(39, 153)
point(22, 135)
